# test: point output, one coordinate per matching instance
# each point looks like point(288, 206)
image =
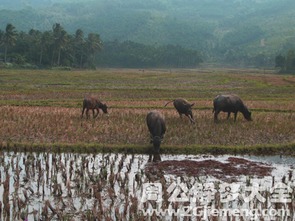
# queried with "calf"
point(92, 103)
point(183, 107)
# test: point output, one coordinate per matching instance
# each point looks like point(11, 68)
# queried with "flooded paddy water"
point(71, 186)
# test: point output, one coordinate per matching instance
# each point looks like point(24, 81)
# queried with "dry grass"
point(64, 125)
point(266, 105)
point(44, 107)
point(127, 126)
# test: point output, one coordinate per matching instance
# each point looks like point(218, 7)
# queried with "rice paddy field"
point(119, 187)
point(41, 109)
point(55, 165)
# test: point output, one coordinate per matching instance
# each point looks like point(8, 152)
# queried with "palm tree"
point(34, 39)
point(79, 43)
point(94, 44)
point(60, 39)
point(46, 38)
point(8, 38)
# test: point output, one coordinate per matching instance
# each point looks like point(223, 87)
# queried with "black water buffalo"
point(157, 128)
point(93, 104)
point(183, 107)
point(230, 104)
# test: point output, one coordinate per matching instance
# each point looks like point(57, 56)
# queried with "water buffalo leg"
point(97, 109)
point(82, 112)
point(228, 115)
point(236, 113)
point(215, 116)
point(190, 118)
point(93, 113)
point(87, 113)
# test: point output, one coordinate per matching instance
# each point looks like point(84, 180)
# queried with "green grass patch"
point(268, 149)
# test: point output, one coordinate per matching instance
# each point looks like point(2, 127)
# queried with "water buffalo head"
point(104, 108)
point(157, 127)
point(247, 115)
point(156, 141)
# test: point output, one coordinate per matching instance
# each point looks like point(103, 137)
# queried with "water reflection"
point(67, 186)
point(156, 157)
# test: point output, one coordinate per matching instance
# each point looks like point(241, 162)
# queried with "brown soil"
point(228, 170)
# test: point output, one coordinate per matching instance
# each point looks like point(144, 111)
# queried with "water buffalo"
point(230, 103)
point(93, 104)
point(157, 128)
point(183, 107)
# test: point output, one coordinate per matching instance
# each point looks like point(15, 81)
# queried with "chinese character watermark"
point(199, 199)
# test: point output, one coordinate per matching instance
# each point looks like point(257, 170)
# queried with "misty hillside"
point(222, 30)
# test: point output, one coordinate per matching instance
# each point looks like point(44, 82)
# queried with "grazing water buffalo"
point(157, 128)
point(230, 104)
point(183, 107)
point(93, 104)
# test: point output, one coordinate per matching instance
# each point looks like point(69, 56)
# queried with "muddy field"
point(46, 186)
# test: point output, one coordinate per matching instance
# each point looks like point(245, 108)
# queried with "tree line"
point(286, 63)
point(135, 55)
point(56, 47)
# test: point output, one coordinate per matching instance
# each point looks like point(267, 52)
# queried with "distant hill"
point(223, 30)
